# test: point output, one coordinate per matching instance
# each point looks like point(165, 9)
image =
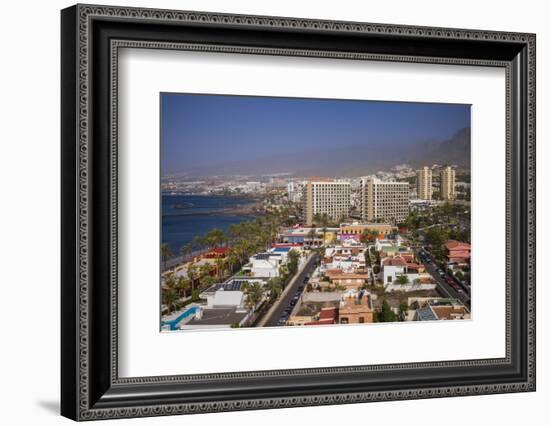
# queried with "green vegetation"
point(292, 264)
point(275, 287)
point(463, 177)
point(402, 279)
point(386, 314)
point(368, 236)
point(323, 220)
point(169, 298)
point(254, 293)
point(243, 240)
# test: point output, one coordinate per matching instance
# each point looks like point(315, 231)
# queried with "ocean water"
point(200, 214)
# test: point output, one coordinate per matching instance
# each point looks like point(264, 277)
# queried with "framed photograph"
point(265, 212)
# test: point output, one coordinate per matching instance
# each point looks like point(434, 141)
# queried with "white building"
point(447, 185)
point(226, 298)
point(325, 196)
point(294, 191)
point(424, 183)
point(385, 200)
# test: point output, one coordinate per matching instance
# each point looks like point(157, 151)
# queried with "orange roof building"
point(457, 251)
point(356, 309)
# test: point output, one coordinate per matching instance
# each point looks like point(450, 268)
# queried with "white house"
point(380, 244)
point(224, 298)
point(265, 265)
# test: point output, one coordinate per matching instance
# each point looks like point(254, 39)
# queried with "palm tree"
point(220, 267)
point(170, 280)
point(214, 238)
point(165, 253)
point(169, 298)
point(198, 243)
point(312, 234)
point(182, 285)
point(192, 273)
point(204, 271)
point(316, 218)
point(186, 250)
point(275, 287)
point(254, 293)
point(232, 260)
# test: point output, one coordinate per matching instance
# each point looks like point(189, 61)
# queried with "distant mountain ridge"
point(351, 160)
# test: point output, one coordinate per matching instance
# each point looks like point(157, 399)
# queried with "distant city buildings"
point(424, 183)
point(382, 200)
point(325, 196)
point(447, 183)
point(294, 191)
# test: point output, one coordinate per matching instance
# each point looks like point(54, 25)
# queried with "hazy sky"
point(206, 130)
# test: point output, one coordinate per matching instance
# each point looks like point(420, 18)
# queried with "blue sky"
point(206, 130)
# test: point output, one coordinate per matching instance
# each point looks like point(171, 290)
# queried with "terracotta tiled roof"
point(453, 245)
point(393, 261)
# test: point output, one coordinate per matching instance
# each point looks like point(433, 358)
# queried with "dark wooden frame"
point(90, 386)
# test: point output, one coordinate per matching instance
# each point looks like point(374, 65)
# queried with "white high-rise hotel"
point(447, 184)
point(424, 183)
point(325, 196)
point(384, 200)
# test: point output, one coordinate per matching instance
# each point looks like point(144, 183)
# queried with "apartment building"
point(384, 200)
point(294, 191)
point(325, 196)
point(447, 190)
point(424, 183)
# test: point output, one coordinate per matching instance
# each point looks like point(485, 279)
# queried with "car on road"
point(450, 281)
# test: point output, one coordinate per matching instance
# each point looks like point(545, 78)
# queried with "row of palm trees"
point(241, 240)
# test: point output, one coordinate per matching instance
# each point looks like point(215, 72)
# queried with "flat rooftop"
point(218, 316)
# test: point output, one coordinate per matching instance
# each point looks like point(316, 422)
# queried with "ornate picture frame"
point(90, 39)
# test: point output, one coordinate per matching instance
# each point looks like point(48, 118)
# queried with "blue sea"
point(197, 215)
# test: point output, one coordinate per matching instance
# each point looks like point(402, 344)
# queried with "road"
point(290, 292)
point(443, 287)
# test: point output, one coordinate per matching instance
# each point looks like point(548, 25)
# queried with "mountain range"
point(349, 160)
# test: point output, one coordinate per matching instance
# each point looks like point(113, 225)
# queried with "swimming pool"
point(173, 323)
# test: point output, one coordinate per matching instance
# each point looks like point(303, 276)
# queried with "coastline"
point(252, 209)
point(201, 213)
